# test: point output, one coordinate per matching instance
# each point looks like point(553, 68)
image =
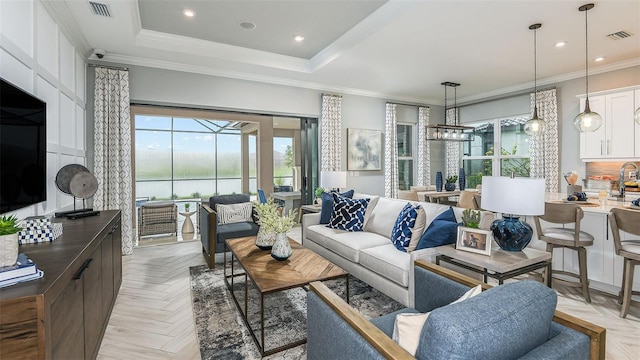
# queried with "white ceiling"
point(399, 50)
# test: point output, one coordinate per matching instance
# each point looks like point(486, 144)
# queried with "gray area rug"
point(222, 333)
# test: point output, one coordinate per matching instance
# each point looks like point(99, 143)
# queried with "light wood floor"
point(153, 319)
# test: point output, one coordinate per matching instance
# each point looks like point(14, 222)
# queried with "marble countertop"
point(603, 209)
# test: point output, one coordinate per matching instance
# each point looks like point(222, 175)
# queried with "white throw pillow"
point(407, 327)
point(234, 213)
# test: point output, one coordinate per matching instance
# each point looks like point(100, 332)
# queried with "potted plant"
point(186, 207)
point(9, 240)
point(264, 212)
point(281, 249)
point(319, 191)
point(451, 183)
point(471, 218)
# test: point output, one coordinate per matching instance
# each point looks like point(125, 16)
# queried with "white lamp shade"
point(517, 196)
point(333, 179)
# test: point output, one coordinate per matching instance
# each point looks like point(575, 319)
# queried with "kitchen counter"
point(593, 198)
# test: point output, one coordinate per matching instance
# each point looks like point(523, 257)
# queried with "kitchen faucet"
point(621, 181)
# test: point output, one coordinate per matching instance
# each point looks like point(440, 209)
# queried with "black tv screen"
point(23, 148)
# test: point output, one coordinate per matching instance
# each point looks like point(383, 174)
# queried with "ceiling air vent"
point(619, 35)
point(99, 9)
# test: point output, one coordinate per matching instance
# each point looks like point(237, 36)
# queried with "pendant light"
point(587, 120)
point(535, 125)
point(453, 132)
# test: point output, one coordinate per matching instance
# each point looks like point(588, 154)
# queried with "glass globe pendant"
point(587, 120)
point(535, 125)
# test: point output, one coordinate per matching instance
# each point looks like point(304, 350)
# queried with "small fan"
point(77, 181)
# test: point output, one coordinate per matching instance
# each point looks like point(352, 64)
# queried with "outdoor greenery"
point(518, 166)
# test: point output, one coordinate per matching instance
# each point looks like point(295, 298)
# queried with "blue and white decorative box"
point(37, 229)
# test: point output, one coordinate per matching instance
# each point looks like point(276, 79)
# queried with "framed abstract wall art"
point(364, 149)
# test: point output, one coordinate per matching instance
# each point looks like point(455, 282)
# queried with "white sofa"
point(370, 255)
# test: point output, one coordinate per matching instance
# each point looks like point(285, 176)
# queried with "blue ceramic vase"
point(439, 181)
point(462, 182)
point(511, 234)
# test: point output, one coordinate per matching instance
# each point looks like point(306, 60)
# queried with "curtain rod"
point(504, 97)
point(110, 67)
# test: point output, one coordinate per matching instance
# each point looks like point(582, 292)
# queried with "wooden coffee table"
point(270, 276)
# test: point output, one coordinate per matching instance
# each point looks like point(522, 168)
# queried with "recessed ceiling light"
point(298, 38)
point(189, 13)
point(247, 25)
point(598, 58)
point(561, 43)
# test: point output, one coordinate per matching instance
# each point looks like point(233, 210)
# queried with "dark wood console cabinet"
point(64, 314)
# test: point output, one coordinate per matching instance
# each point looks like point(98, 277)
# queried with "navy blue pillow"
point(443, 230)
point(348, 214)
point(327, 205)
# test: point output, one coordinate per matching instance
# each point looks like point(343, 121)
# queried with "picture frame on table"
point(364, 149)
point(474, 240)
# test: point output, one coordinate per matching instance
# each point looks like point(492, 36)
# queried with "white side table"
point(187, 226)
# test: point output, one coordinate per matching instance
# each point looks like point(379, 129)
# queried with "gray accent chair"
point(513, 321)
point(213, 235)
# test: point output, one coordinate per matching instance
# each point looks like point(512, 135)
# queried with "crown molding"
point(111, 58)
point(62, 15)
point(550, 80)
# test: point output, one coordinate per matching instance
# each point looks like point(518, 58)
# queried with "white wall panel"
point(47, 41)
point(16, 23)
point(67, 60)
point(81, 74)
point(80, 121)
point(52, 202)
point(49, 94)
point(67, 122)
point(65, 199)
point(15, 72)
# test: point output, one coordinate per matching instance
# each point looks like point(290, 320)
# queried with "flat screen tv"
point(23, 148)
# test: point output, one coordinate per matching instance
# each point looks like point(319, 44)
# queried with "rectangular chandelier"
point(450, 132)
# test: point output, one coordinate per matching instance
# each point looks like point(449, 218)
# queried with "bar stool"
point(628, 221)
point(563, 237)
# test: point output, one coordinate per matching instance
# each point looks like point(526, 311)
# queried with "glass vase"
point(265, 239)
point(439, 181)
point(281, 249)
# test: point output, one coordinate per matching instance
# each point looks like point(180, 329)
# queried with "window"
point(480, 157)
point(404, 134)
point(182, 158)
point(283, 161)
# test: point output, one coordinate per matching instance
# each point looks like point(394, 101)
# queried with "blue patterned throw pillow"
point(348, 214)
point(403, 228)
point(327, 205)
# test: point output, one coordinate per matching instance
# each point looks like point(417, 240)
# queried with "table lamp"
point(512, 197)
point(333, 180)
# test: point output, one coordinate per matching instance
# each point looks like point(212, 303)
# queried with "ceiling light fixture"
point(247, 25)
point(535, 125)
point(189, 13)
point(600, 58)
point(298, 38)
point(453, 132)
point(587, 120)
point(561, 43)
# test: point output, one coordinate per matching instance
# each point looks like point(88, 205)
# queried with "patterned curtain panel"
point(452, 148)
point(424, 152)
point(331, 133)
point(390, 153)
point(112, 137)
point(544, 147)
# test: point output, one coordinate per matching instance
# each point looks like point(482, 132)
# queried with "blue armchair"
point(513, 321)
point(213, 235)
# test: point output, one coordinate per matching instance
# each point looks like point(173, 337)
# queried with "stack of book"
point(24, 270)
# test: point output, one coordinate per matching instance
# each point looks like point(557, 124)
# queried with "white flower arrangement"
point(269, 219)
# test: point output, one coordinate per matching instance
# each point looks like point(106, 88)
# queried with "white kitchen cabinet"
point(615, 138)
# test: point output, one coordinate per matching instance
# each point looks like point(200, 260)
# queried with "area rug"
point(222, 333)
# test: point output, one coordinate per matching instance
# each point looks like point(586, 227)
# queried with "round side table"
point(187, 226)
